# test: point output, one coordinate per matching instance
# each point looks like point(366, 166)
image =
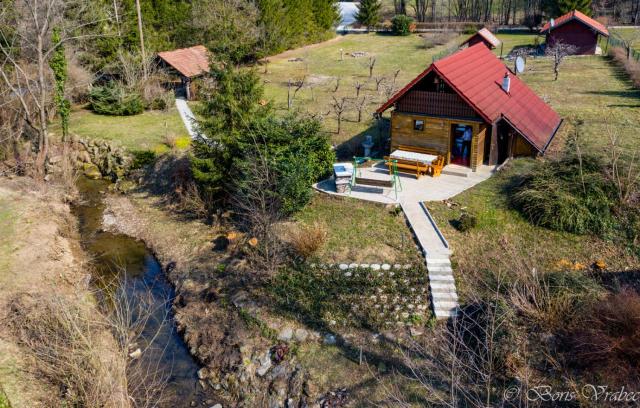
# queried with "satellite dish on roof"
point(519, 65)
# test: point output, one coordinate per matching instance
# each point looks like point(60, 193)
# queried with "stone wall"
point(100, 159)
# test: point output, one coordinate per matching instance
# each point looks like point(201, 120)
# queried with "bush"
point(158, 104)
point(566, 196)
point(142, 158)
point(401, 25)
point(466, 222)
point(114, 100)
point(606, 338)
point(308, 239)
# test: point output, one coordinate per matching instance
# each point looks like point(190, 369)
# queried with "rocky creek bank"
point(244, 357)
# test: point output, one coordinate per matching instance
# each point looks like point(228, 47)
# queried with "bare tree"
point(27, 74)
point(389, 90)
point(296, 85)
point(628, 38)
point(420, 9)
point(558, 51)
point(360, 105)
point(624, 165)
point(395, 76)
point(459, 366)
point(371, 64)
point(261, 211)
point(141, 35)
point(358, 85)
point(339, 108)
point(335, 89)
point(378, 80)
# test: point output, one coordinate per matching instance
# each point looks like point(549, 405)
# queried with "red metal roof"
point(190, 62)
point(476, 74)
point(487, 36)
point(576, 15)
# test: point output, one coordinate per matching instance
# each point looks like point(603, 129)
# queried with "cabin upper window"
point(418, 125)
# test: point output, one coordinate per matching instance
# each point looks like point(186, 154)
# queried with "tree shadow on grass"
point(378, 130)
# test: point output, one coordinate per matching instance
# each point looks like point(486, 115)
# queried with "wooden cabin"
point(187, 64)
point(577, 29)
point(485, 37)
point(471, 109)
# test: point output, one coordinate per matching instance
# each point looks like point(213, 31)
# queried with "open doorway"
point(461, 145)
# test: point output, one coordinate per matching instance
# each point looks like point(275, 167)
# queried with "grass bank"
point(149, 130)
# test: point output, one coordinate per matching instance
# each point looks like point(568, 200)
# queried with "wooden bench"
point(417, 167)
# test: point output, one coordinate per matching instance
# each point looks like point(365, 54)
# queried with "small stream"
point(121, 256)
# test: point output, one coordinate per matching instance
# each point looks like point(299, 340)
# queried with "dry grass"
point(631, 66)
point(64, 340)
point(308, 239)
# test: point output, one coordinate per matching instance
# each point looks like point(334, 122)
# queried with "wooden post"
point(493, 150)
point(187, 86)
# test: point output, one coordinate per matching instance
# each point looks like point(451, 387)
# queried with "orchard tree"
point(558, 51)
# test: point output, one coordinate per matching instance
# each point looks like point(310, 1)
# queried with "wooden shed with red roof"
point(576, 29)
point(485, 37)
point(188, 64)
point(471, 109)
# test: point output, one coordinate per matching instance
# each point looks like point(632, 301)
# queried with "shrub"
point(568, 196)
point(158, 104)
point(466, 222)
point(114, 100)
point(631, 66)
point(401, 24)
point(142, 158)
point(308, 239)
point(606, 337)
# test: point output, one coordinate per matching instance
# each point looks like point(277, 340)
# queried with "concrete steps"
point(442, 287)
point(456, 170)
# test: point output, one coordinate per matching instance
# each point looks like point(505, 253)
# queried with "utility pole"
point(144, 54)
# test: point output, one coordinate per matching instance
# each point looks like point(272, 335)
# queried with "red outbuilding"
point(186, 63)
point(577, 29)
point(485, 37)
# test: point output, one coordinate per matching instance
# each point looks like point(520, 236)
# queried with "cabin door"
point(461, 145)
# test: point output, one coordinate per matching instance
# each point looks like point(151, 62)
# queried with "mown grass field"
point(321, 67)
point(359, 231)
point(146, 131)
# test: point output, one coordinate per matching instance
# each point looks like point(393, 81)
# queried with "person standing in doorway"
point(466, 143)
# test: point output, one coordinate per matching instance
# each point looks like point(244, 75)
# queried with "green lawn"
point(628, 31)
point(321, 67)
point(515, 39)
point(591, 89)
point(147, 131)
point(360, 231)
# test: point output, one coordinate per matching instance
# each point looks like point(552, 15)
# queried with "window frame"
point(415, 125)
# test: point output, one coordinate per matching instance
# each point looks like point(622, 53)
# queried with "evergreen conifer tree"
point(369, 13)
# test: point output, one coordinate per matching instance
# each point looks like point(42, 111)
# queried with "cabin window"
point(418, 125)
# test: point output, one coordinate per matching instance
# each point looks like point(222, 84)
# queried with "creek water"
point(127, 261)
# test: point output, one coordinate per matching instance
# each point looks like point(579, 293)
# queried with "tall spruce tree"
point(369, 13)
point(557, 8)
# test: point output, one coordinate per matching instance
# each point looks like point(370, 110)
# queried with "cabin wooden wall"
point(522, 147)
point(436, 134)
point(477, 145)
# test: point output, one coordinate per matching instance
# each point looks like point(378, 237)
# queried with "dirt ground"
point(39, 254)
